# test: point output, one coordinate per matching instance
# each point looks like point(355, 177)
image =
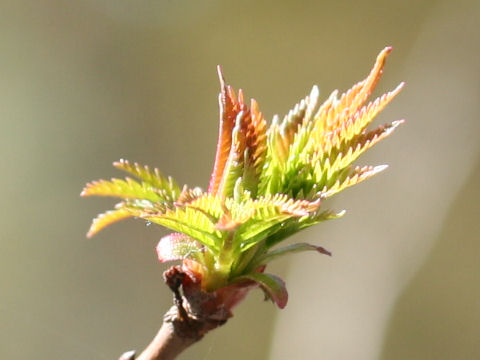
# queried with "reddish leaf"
point(177, 246)
point(228, 112)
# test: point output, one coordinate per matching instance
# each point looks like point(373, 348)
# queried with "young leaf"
point(273, 287)
point(125, 189)
point(228, 113)
point(234, 165)
point(356, 176)
point(292, 227)
point(191, 222)
point(293, 248)
point(258, 218)
point(151, 177)
point(108, 218)
point(280, 142)
point(265, 186)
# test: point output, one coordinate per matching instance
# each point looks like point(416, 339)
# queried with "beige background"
point(86, 82)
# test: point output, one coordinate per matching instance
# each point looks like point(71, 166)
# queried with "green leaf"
point(356, 176)
point(285, 141)
point(151, 177)
point(208, 204)
point(291, 227)
point(107, 218)
point(191, 222)
point(234, 165)
point(298, 247)
point(273, 287)
point(333, 165)
point(266, 213)
point(125, 189)
point(255, 231)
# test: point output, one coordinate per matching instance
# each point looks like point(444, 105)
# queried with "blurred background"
point(87, 82)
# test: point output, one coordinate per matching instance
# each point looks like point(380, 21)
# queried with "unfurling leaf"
point(241, 143)
point(267, 183)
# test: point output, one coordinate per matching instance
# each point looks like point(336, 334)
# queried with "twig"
point(193, 315)
point(167, 344)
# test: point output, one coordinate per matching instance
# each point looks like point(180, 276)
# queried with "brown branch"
point(195, 313)
point(173, 337)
